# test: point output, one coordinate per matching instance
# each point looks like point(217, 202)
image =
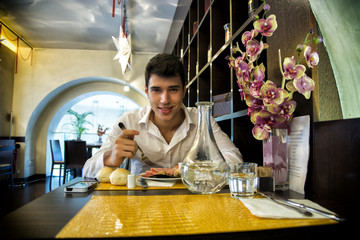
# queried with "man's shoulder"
point(192, 113)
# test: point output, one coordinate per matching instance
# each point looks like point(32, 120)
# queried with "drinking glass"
point(242, 179)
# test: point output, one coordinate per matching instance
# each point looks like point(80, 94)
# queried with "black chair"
point(7, 148)
point(75, 155)
point(57, 159)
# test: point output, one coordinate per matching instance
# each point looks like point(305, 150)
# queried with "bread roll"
point(103, 175)
point(119, 176)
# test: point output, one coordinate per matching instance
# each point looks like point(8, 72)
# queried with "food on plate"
point(103, 175)
point(119, 176)
point(163, 172)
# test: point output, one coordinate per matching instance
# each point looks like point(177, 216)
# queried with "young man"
point(165, 130)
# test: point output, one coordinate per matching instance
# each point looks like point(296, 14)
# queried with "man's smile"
point(165, 110)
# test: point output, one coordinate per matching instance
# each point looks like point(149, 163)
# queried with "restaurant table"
point(47, 215)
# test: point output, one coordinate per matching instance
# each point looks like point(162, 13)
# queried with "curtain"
point(339, 24)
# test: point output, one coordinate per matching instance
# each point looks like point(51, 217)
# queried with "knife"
point(306, 208)
point(315, 210)
point(143, 182)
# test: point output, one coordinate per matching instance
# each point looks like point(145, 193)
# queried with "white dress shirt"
point(153, 144)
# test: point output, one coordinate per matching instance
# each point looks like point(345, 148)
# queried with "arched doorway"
point(106, 108)
point(36, 144)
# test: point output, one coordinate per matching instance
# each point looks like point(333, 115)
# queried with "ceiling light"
point(7, 43)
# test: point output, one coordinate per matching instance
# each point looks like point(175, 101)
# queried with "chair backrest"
point(56, 153)
point(75, 154)
point(7, 151)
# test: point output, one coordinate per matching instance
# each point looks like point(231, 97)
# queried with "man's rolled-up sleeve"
point(96, 162)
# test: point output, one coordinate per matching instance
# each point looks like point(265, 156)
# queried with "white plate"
point(160, 179)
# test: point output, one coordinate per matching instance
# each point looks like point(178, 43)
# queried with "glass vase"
point(275, 155)
point(204, 169)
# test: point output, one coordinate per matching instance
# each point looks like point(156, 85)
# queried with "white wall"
point(55, 77)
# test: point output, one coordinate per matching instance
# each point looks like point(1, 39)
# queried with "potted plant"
point(271, 108)
point(79, 121)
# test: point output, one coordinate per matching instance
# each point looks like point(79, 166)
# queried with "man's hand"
point(124, 147)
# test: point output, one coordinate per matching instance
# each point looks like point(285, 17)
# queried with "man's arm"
point(115, 149)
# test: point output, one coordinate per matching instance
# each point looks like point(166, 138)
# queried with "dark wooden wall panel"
point(334, 170)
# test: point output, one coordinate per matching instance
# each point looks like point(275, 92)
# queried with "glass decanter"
point(204, 170)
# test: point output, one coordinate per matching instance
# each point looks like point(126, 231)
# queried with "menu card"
point(298, 149)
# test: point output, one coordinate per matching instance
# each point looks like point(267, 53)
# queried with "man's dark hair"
point(165, 65)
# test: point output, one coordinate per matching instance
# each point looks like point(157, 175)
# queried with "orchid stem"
point(282, 73)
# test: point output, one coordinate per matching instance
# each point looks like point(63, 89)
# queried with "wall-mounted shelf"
point(203, 49)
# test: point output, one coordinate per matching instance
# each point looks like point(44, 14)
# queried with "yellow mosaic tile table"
point(109, 186)
point(130, 216)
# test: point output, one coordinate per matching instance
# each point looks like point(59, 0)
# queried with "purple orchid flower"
point(286, 109)
point(266, 27)
point(255, 88)
point(304, 85)
point(291, 70)
point(242, 71)
point(248, 35)
point(259, 73)
point(271, 94)
point(253, 49)
point(254, 103)
point(312, 58)
point(266, 120)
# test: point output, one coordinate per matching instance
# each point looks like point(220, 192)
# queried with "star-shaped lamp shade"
point(123, 45)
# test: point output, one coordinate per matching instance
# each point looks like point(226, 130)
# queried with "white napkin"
point(154, 183)
point(265, 208)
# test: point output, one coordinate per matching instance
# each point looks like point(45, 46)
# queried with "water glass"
point(242, 179)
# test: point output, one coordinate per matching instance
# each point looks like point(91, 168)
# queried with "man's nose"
point(165, 97)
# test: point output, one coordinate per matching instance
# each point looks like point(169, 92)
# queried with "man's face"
point(165, 95)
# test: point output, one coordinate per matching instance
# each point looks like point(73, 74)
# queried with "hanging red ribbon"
point(123, 24)
point(123, 14)
point(0, 32)
point(32, 55)
point(113, 9)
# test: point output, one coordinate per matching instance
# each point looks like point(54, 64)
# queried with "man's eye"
point(174, 90)
point(155, 90)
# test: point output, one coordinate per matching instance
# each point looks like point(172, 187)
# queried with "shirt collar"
point(144, 121)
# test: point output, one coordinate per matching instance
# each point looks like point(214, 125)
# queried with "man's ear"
point(184, 91)
point(146, 89)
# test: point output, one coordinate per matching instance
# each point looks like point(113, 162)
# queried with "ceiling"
point(89, 25)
